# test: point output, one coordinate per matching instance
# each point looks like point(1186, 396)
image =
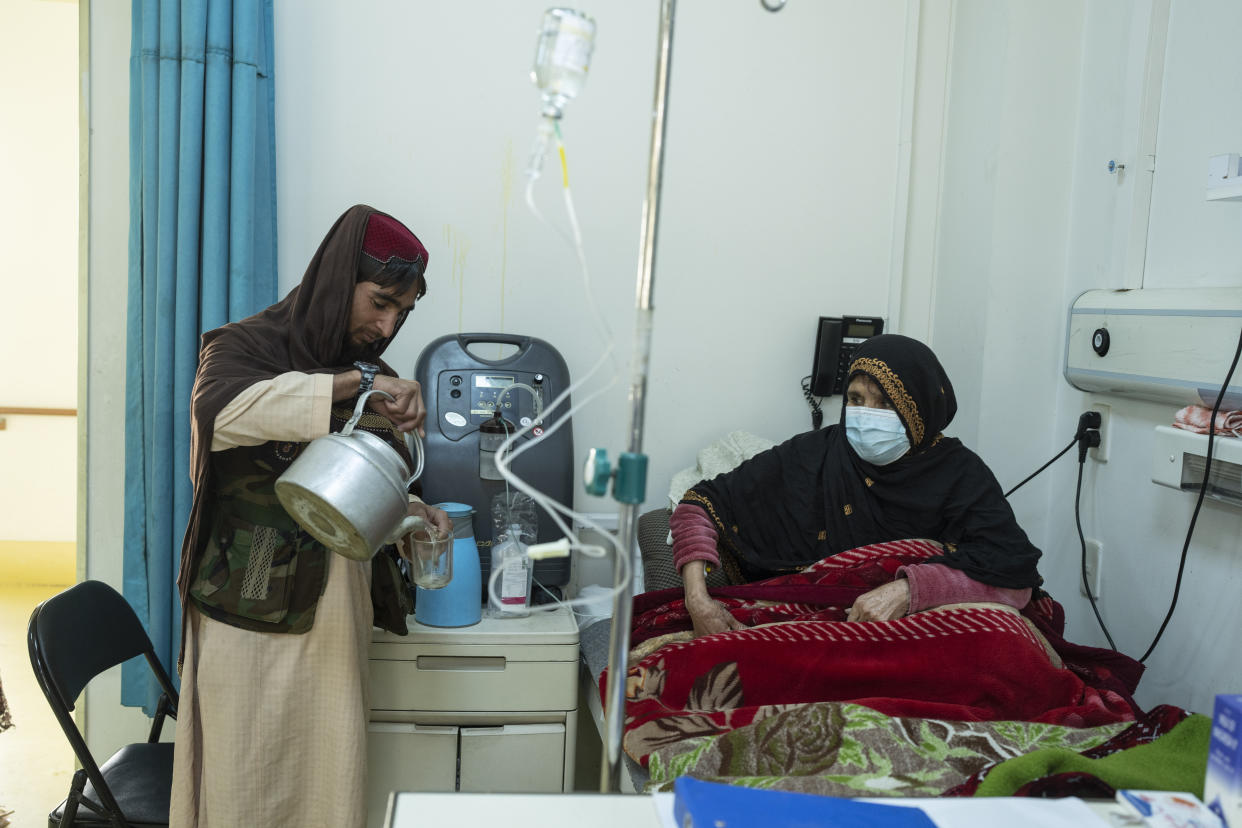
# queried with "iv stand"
point(622, 604)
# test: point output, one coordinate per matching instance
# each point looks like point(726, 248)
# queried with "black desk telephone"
point(836, 338)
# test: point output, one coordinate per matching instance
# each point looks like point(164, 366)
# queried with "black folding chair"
point(73, 637)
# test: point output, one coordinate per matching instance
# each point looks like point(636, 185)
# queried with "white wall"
point(778, 205)
point(1190, 242)
point(1011, 119)
point(1051, 93)
point(38, 231)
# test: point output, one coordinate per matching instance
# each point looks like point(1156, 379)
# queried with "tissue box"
point(1222, 788)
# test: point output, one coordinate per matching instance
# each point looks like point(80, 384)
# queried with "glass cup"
point(430, 554)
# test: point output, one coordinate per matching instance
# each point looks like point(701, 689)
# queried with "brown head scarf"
point(306, 331)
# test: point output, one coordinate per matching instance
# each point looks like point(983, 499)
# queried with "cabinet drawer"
point(473, 683)
point(407, 757)
point(513, 759)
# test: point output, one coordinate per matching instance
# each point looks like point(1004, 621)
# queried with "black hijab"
point(813, 496)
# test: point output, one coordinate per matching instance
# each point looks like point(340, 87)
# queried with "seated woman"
point(885, 472)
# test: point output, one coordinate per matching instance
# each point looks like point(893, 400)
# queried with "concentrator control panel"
point(469, 398)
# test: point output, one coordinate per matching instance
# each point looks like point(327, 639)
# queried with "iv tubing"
point(624, 543)
point(506, 453)
point(504, 456)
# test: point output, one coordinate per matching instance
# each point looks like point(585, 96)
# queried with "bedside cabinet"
point(486, 708)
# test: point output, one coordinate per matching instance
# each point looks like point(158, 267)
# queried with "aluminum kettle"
point(349, 489)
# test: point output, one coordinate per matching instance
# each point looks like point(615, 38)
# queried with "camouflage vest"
point(260, 570)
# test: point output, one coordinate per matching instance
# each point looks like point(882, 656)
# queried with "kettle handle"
point(410, 523)
point(412, 441)
point(358, 409)
point(415, 445)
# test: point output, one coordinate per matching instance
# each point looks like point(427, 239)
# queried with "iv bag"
point(562, 54)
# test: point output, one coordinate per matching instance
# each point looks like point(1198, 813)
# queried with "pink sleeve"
point(694, 536)
point(934, 585)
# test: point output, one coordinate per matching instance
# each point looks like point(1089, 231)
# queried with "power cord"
point(1194, 517)
point(1086, 437)
point(1090, 420)
point(817, 414)
point(1089, 438)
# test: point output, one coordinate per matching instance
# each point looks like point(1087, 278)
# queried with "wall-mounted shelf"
point(1179, 458)
point(1226, 191)
point(1223, 192)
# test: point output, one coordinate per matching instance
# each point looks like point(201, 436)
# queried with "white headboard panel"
point(1168, 345)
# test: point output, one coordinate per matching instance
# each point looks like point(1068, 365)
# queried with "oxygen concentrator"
point(463, 390)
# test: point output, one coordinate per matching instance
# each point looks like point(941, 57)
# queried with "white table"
point(411, 810)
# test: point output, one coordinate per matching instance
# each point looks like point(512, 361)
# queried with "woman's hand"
point(406, 410)
point(710, 616)
point(884, 603)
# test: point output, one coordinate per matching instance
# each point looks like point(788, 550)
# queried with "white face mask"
point(876, 434)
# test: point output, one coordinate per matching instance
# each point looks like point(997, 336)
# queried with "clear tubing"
point(590, 550)
point(535, 395)
point(534, 169)
point(623, 543)
point(549, 129)
point(554, 508)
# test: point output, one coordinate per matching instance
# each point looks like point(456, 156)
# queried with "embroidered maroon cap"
point(387, 238)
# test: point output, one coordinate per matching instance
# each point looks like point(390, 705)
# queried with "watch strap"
point(369, 370)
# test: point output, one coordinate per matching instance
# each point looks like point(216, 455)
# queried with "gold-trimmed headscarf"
point(913, 382)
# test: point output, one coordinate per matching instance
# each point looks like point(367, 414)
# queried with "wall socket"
point(1100, 452)
point(1094, 550)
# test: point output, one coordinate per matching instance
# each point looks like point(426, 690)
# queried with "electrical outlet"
point(1094, 548)
point(1100, 452)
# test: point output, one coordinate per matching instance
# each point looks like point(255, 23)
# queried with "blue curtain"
point(202, 252)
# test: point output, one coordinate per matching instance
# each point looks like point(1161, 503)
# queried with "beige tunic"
point(271, 729)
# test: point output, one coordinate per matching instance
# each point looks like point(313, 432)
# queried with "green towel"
point(1176, 761)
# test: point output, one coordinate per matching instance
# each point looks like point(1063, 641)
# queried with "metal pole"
point(619, 642)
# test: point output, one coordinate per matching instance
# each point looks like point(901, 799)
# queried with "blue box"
point(701, 804)
point(1222, 787)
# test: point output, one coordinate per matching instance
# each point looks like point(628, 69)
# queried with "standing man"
point(271, 728)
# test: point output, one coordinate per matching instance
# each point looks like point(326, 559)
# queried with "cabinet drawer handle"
point(484, 664)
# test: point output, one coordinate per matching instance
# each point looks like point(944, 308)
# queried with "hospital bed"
point(851, 749)
point(593, 638)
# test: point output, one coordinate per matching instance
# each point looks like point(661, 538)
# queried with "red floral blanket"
point(977, 662)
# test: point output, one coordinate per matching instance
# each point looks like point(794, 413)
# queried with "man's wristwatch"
point(369, 370)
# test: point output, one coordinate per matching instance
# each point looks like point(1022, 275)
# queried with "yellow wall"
point(37, 563)
point(38, 254)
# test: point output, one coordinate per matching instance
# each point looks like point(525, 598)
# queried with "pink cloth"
point(694, 536)
point(934, 585)
point(1195, 418)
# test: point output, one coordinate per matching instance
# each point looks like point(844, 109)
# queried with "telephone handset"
point(836, 338)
